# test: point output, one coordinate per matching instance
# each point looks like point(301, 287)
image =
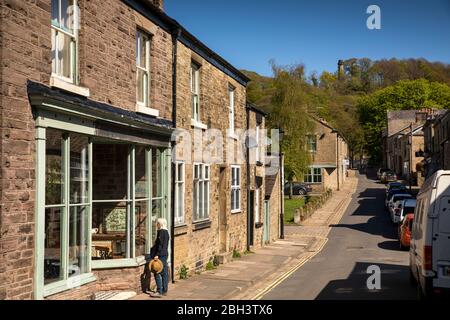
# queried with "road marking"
point(283, 277)
point(337, 216)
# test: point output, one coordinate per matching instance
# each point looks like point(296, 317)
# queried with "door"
point(251, 227)
point(222, 212)
point(266, 222)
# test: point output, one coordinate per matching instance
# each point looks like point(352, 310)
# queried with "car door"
point(441, 242)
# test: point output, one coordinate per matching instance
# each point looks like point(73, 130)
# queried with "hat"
point(156, 266)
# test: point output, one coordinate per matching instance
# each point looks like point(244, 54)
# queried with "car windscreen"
point(407, 210)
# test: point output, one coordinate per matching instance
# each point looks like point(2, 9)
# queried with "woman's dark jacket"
point(160, 248)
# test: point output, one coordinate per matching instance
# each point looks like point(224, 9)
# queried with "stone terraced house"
point(91, 98)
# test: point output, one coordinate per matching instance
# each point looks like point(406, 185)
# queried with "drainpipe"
point(338, 165)
point(281, 163)
point(175, 35)
point(247, 162)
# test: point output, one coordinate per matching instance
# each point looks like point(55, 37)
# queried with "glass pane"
point(233, 194)
point(54, 50)
point(110, 236)
point(110, 167)
point(157, 212)
point(205, 200)
point(79, 232)
point(79, 168)
point(52, 249)
point(201, 200)
point(141, 214)
point(64, 53)
point(67, 15)
point(54, 174)
point(140, 85)
point(180, 202)
point(196, 216)
point(55, 12)
point(143, 52)
point(156, 173)
point(140, 175)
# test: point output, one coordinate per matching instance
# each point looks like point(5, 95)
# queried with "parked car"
point(401, 208)
point(391, 194)
point(395, 186)
point(430, 237)
point(404, 231)
point(388, 176)
point(381, 171)
point(395, 203)
point(298, 188)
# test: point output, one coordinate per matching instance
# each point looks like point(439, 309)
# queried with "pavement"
point(255, 274)
point(363, 238)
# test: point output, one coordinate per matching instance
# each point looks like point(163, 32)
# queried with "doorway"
point(222, 212)
point(251, 214)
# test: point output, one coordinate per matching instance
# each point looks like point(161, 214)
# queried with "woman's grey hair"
point(162, 223)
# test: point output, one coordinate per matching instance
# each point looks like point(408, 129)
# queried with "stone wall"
point(195, 247)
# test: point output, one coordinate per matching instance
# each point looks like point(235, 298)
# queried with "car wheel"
point(301, 192)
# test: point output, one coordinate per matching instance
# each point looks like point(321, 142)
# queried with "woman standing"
point(160, 251)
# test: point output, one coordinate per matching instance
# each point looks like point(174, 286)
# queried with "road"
point(364, 237)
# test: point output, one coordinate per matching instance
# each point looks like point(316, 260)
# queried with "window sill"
point(180, 229)
point(147, 110)
point(59, 83)
point(118, 263)
point(236, 211)
point(200, 225)
point(68, 284)
point(198, 125)
point(233, 136)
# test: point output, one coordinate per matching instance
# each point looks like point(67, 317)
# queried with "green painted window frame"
point(40, 290)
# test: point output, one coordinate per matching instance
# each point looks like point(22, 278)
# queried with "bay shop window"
point(100, 203)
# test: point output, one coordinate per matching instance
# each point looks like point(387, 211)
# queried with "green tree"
point(404, 95)
point(289, 109)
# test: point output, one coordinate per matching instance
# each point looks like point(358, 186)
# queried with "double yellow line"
point(283, 277)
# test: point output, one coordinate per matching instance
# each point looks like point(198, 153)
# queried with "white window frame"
point(258, 148)
point(201, 213)
point(56, 30)
point(143, 36)
point(257, 217)
point(310, 176)
point(235, 186)
point(231, 100)
point(180, 180)
point(311, 140)
point(195, 91)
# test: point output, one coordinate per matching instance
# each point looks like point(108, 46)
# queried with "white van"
point(430, 237)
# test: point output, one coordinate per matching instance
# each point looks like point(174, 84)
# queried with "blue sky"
point(248, 33)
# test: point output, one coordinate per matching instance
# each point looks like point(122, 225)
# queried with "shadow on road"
point(354, 287)
point(371, 203)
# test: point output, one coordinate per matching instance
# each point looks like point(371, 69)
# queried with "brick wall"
point(107, 68)
point(25, 55)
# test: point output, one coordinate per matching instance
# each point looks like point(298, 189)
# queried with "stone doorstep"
point(114, 295)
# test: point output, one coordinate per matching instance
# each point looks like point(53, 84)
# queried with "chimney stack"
point(340, 69)
point(158, 3)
